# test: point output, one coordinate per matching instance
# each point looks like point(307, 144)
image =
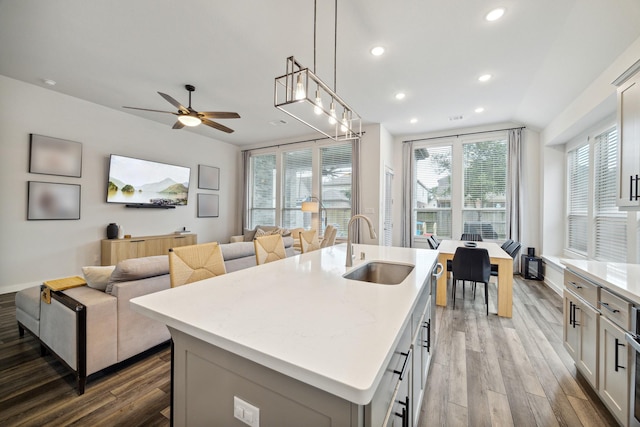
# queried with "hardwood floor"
point(486, 371)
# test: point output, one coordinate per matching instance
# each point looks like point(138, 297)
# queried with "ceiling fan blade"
point(219, 115)
point(147, 109)
point(174, 103)
point(215, 125)
point(178, 125)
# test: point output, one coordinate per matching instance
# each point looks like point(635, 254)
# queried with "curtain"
point(514, 190)
point(407, 194)
point(246, 158)
point(355, 187)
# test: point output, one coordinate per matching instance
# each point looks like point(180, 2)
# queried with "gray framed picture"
point(208, 177)
point(208, 205)
point(53, 201)
point(54, 156)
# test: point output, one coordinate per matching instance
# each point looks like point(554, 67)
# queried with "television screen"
point(137, 181)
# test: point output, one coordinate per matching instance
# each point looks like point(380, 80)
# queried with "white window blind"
point(335, 185)
point(432, 204)
point(610, 224)
point(262, 203)
point(297, 173)
point(578, 189)
point(485, 185)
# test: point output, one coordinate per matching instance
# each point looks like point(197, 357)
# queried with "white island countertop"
point(301, 318)
point(623, 279)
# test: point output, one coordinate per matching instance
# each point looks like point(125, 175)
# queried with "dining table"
point(498, 256)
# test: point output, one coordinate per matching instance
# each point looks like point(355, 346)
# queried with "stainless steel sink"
point(383, 273)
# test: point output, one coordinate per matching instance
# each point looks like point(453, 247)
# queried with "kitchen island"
point(301, 343)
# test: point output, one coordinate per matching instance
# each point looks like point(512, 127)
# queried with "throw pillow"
point(260, 232)
point(138, 268)
point(97, 277)
point(249, 235)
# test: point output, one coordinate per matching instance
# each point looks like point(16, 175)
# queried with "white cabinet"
point(614, 370)
point(580, 335)
point(629, 144)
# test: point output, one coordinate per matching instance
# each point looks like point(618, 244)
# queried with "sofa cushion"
point(97, 277)
point(237, 250)
point(138, 268)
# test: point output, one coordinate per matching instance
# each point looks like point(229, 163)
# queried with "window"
point(280, 181)
point(610, 225)
point(296, 186)
point(578, 200)
point(485, 177)
point(432, 203)
point(335, 185)
point(262, 205)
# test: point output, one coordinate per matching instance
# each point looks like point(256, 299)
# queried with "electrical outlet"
point(246, 412)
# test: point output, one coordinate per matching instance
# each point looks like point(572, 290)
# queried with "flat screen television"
point(146, 183)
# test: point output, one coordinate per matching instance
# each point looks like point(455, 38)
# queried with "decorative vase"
point(112, 230)
point(120, 232)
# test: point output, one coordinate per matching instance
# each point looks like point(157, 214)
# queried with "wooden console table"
point(115, 250)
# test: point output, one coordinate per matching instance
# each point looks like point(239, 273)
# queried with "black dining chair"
point(472, 265)
point(506, 244)
point(512, 249)
point(432, 243)
point(471, 237)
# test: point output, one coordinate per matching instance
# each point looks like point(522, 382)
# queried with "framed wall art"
point(208, 177)
point(54, 156)
point(208, 205)
point(53, 201)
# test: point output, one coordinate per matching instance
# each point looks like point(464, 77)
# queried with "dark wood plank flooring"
point(486, 371)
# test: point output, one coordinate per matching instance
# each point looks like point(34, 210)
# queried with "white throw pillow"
point(97, 277)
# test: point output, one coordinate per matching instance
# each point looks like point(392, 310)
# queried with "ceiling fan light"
point(189, 120)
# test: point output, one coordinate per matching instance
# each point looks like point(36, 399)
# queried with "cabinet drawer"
point(585, 289)
point(615, 309)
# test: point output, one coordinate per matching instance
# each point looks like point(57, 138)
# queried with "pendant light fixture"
point(294, 97)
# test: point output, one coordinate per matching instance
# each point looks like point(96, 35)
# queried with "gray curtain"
point(514, 190)
point(407, 194)
point(246, 166)
point(355, 186)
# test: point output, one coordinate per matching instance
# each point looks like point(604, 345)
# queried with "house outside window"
point(262, 204)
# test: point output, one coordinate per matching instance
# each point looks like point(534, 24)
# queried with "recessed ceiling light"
point(49, 82)
point(484, 77)
point(413, 121)
point(377, 51)
point(400, 95)
point(479, 110)
point(495, 14)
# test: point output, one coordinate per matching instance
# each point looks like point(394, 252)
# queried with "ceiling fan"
point(187, 116)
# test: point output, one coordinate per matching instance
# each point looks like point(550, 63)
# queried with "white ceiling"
point(542, 54)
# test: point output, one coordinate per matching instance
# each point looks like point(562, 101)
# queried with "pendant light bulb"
point(332, 115)
point(318, 107)
point(343, 123)
point(300, 92)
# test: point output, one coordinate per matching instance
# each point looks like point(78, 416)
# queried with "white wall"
point(33, 251)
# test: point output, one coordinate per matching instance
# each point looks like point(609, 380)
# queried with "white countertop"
point(623, 279)
point(300, 317)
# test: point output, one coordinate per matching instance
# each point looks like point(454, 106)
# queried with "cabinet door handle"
point(404, 365)
point(618, 344)
point(606, 305)
point(571, 313)
point(404, 414)
point(575, 285)
point(633, 187)
point(575, 321)
point(427, 325)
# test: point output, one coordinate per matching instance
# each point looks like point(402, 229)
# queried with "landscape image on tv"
point(138, 181)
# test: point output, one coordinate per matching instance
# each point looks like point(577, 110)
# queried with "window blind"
point(262, 204)
point(336, 185)
point(432, 204)
point(578, 198)
point(609, 223)
point(485, 178)
point(297, 173)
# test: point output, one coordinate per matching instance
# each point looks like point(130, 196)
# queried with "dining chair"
point(309, 241)
point(471, 237)
point(295, 233)
point(269, 248)
point(506, 244)
point(472, 265)
point(432, 243)
point(329, 238)
point(512, 249)
point(188, 264)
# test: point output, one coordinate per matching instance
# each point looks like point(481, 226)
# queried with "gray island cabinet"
point(294, 343)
